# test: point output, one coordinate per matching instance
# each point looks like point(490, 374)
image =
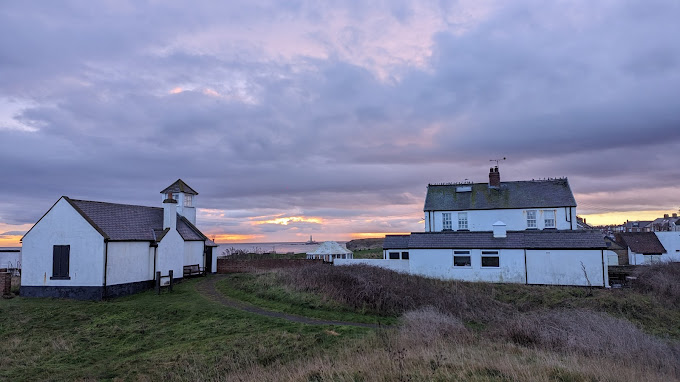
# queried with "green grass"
point(147, 336)
point(262, 290)
point(368, 254)
point(652, 314)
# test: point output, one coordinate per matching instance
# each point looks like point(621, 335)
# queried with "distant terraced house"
point(93, 250)
point(517, 232)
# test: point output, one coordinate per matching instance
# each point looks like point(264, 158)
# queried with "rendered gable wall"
point(63, 225)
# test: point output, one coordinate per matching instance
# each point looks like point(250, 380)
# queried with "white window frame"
point(188, 200)
point(546, 219)
point(488, 254)
point(462, 221)
point(446, 221)
point(462, 253)
point(534, 220)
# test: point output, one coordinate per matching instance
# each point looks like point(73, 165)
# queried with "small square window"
point(394, 255)
point(188, 200)
point(404, 255)
point(461, 259)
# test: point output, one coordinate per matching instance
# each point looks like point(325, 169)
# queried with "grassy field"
point(442, 330)
point(174, 336)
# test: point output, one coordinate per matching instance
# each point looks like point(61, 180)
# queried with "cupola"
point(185, 197)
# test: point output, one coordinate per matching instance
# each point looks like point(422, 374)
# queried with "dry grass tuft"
point(593, 334)
point(661, 280)
point(386, 292)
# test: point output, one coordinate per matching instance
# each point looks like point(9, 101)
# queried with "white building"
point(650, 247)
point(330, 250)
point(521, 205)
point(93, 250)
point(515, 232)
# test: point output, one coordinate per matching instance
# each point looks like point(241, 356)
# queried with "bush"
point(663, 280)
point(592, 334)
point(387, 292)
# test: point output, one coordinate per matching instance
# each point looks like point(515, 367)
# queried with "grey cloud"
point(557, 95)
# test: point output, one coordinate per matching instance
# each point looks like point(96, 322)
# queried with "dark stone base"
point(72, 292)
point(120, 290)
point(87, 292)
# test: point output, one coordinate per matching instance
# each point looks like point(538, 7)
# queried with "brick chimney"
point(170, 212)
point(675, 215)
point(494, 178)
point(665, 216)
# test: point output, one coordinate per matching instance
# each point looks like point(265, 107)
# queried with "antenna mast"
point(497, 160)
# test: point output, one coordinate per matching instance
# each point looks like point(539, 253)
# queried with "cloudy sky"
point(330, 118)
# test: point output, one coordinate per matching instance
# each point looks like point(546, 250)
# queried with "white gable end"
point(63, 225)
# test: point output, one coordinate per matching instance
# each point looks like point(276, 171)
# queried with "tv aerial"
point(497, 160)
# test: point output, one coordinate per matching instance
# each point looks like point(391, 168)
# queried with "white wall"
point(395, 265)
point(438, 263)
point(563, 267)
point(515, 219)
point(670, 241)
point(128, 262)
point(62, 225)
point(193, 253)
point(171, 254)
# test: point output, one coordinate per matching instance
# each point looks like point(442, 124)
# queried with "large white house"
point(92, 250)
point(516, 232)
point(521, 205)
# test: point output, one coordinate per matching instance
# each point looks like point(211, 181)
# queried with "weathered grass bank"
point(441, 331)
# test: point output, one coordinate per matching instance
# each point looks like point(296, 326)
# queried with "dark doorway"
point(208, 259)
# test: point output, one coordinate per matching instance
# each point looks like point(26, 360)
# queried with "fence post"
point(170, 280)
point(158, 282)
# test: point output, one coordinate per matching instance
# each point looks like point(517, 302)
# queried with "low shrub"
point(663, 280)
point(390, 293)
point(592, 334)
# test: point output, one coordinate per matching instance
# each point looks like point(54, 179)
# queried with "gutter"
point(604, 284)
point(106, 263)
point(526, 272)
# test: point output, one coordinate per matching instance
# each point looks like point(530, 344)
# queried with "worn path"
point(207, 289)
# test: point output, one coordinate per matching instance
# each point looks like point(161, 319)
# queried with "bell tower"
point(185, 197)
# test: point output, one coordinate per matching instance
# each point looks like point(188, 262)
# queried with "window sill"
point(60, 278)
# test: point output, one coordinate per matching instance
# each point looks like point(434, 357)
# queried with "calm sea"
point(270, 247)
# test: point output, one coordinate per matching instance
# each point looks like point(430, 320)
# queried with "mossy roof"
point(510, 195)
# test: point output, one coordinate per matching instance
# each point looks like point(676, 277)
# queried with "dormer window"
point(188, 200)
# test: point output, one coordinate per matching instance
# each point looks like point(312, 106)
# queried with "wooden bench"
point(193, 270)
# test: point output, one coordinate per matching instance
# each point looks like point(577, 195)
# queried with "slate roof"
point(179, 186)
point(395, 241)
point(330, 248)
point(521, 194)
point(553, 239)
point(641, 242)
point(125, 222)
